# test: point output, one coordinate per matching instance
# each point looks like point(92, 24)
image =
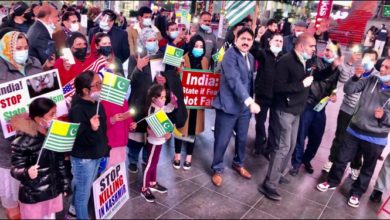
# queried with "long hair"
point(40, 107)
point(153, 92)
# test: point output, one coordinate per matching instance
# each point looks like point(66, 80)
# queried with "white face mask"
point(147, 22)
point(74, 27)
point(95, 96)
point(104, 26)
point(275, 50)
point(20, 56)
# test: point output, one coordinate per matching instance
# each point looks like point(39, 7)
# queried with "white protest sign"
point(16, 96)
point(110, 191)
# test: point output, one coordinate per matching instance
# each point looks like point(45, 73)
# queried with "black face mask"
point(80, 53)
point(28, 16)
point(105, 51)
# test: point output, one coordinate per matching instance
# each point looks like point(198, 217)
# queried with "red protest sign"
point(199, 87)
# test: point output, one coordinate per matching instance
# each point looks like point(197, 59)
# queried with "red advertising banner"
point(323, 11)
point(199, 87)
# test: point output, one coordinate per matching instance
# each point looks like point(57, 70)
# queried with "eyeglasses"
point(97, 85)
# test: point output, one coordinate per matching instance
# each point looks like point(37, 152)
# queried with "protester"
point(91, 141)
point(20, 19)
point(231, 35)
point(272, 28)
point(141, 80)
point(93, 13)
point(289, 41)
point(40, 35)
point(78, 46)
point(234, 105)
point(103, 48)
point(369, 38)
point(144, 18)
point(291, 88)
point(173, 37)
point(347, 109)
point(194, 123)
point(313, 119)
point(40, 195)
point(70, 24)
point(367, 132)
point(15, 63)
point(156, 99)
point(118, 36)
point(264, 83)
point(161, 22)
point(205, 31)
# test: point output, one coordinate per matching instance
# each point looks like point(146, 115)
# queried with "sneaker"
point(353, 201)
point(158, 188)
point(187, 165)
point(148, 195)
point(309, 169)
point(327, 166)
point(133, 168)
point(376, 196)
point(355, 174)
point(176, 164)
point(294, 171)
point(323, 187)
point(71, 213)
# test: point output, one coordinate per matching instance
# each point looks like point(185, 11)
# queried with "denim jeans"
point(134, 148)
point(84, 173)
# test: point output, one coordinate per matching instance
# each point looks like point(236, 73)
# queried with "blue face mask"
point(151, 46)
point(328, 60)
point(384, 79)
point(174, 34)
point(205, 27)
point(197, 52)
point(367, 65)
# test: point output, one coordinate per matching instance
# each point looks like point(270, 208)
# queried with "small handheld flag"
point(160, 123)
point(173, 56)
point(114, 88)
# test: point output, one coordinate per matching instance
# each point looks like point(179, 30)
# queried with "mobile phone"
point(68, 55)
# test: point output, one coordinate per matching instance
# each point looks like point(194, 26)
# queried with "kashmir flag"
point(114, 88)
point(219, 55)
point(173, 56)
point(236, 11)
point(160, 123)
point(61, 136)
point(186, 18)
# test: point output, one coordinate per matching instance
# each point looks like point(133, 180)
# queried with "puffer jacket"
point(52, 178)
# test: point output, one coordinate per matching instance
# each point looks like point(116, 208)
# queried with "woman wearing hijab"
point(15, 63)
point(193, 59)
point(78, 45)
point(141, 80)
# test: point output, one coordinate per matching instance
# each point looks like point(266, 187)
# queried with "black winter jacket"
point(52, 178)
point(266, 71)
point(290, 94)
point(324, 87)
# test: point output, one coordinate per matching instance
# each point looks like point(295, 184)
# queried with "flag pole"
point(97, 109)
point(39, 156)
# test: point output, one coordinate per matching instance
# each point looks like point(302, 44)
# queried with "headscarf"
point(147, 33)
point(8, 48)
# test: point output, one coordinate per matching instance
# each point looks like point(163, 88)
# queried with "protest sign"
point(199, 87)
point(110, 191)
point(16, 96)
point(156, 67)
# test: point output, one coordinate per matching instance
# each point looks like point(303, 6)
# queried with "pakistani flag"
point(114, 88)
point(61, 136)
point(236, 11)
point(160, 123)
point(173, 56)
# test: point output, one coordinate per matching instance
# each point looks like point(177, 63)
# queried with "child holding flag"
point(42, 184)
point(156, 99)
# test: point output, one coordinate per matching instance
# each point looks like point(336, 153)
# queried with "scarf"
point(8, 48)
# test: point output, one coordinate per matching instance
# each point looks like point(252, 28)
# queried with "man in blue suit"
point(234, 104)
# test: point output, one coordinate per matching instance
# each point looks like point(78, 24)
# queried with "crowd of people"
point(271, 71)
